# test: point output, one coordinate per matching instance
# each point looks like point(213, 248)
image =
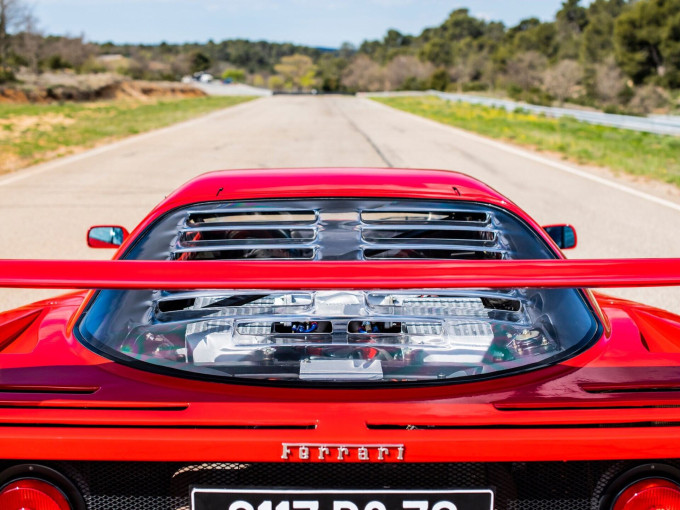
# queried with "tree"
point(12, 16)
point(570, 21)
point(73, 52)
point(139, 65)
point(641, 39)
point(276, 82)
point(395, 39)
point(406, 70)
point(298, 70)
point(347, 50)
point(29, 44)
point(329, 71)
point(257, 80)
point(597, 42)
point(438, 51)
point(460, 25)
point(180, 65)
point(609, 81)
point(199, 62)
point(670, 48)
point(526, 69)
point(572, 13)
point(364, 74)
point(532, 35)
point(461, 73)
point(562, 79)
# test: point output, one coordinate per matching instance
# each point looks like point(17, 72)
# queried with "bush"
point(648, 98)
point(475, 86)
point(413, 83)
point(439, 80)
point(56, 62)
point(620, 110)
point(235, 75)
point(515, 91)
point(7, 76)
point(532, 96)
point(92, 66)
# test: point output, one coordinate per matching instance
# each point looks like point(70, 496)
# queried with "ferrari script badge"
point(367, 452)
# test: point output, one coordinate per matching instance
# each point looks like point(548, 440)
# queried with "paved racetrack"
point(47, 209)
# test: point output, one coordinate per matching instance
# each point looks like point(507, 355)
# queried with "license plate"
point(211, 498)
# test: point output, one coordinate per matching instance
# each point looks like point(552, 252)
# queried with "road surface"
point(47, 209)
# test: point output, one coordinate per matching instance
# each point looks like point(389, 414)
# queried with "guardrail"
point(662, 124)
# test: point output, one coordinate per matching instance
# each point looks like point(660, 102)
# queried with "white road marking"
point(540, 159)
point(20, 175)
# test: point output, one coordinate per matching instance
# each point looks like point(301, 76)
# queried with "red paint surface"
point(617, 400)
point(389, 274)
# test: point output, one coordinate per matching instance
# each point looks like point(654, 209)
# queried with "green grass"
point(632, 152)
point(31, 133)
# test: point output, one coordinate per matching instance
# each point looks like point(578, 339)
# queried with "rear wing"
point(320, 275)
point(340, 321)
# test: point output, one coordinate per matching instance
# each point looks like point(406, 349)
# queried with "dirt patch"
point(13, 95)
point(67, 87)
point(143, 90)
point(16, 125)
point(9, 162)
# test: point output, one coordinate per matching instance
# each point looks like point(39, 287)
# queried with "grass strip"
point(33, 133)
point(621, 150)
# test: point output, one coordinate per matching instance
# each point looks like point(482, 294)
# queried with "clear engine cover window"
point(340, 336)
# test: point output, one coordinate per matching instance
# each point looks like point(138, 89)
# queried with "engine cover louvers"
point(430, 234)
point(337, 230)
point(254, 233)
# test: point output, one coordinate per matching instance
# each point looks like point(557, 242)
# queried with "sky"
point(326, 23)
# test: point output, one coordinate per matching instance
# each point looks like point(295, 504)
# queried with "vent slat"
point(431, 246)
point(252, 210)
point(420, 233)
point(425, 225)
point(442, 236)
point(426, 216)
point(248, 245)
point(458, 244)
point(427, 254)
point(245, 227)
point(254, 252)
point(248, 233)
point(239, 244)
point(252, 216)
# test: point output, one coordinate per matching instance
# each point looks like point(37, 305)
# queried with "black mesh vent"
point(518, 485)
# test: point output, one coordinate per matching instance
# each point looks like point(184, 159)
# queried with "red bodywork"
point(59, 400)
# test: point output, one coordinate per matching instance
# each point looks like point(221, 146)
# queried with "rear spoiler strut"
point(359, 275)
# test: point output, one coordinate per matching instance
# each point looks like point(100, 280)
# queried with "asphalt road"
point(47, 209)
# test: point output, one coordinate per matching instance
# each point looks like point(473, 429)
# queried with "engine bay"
point(348, 335)
point(338, 336)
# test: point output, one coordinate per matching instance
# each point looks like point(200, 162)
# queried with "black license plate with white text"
point(212, 498)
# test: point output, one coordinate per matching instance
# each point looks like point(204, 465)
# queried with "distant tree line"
point(612, 53)
point(615, 54)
